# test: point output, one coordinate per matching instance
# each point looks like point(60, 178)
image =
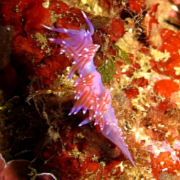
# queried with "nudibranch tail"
point(89, 91)
point(113, 133)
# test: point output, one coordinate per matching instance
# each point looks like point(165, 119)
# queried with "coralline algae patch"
point(84, 158)
point(145, 89)
point(154, 102)
point(31, 53)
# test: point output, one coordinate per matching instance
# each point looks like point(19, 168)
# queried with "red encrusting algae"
point(145, 89)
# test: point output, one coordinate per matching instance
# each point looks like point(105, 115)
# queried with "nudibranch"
point(88, 88)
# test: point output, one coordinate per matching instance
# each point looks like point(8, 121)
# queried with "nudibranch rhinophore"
point(89, 91)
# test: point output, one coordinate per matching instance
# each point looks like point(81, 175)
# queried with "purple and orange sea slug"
point(88, 89)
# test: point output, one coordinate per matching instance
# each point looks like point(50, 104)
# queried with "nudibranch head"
point(77, 37)
point(80, 46)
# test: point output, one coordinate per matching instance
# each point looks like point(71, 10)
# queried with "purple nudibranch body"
point(89, 90)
